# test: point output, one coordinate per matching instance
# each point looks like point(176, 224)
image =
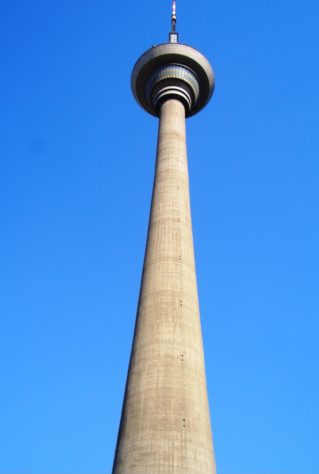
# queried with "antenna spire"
point(173, 36)
point(174, 16)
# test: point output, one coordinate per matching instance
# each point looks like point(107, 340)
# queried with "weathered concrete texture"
point(165, 425)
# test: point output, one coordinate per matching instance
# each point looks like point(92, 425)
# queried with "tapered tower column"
point(165, 425)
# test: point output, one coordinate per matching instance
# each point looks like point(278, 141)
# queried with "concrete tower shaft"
point(165, 424)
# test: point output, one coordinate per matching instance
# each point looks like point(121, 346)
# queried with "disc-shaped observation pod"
point(172, 70)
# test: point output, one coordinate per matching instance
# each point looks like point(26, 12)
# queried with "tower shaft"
point(165, 424)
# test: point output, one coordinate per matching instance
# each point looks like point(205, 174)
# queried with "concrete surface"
point(165, 425)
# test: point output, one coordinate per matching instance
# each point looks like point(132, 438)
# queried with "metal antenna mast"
point(173, 36)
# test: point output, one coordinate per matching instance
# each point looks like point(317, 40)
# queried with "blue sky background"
point(77, 158)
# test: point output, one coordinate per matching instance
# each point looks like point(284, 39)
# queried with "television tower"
point(165, 424)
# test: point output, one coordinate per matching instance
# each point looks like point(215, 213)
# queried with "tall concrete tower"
point(165, 424)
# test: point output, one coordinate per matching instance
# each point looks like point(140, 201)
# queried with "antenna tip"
point(174, 9)
point(173, 36)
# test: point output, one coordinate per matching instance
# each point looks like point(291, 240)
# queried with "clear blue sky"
point(77, 158)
